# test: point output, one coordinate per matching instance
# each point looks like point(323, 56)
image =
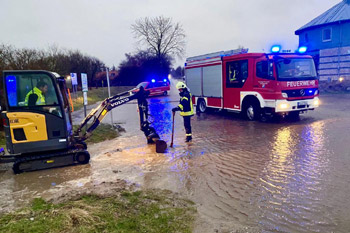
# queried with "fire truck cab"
point(253, 83)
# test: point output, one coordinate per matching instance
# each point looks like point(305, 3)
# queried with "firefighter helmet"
point(180, 85)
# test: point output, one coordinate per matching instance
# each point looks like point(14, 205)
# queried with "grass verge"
point(95, 95)
point(141, 211)
point(102, 132)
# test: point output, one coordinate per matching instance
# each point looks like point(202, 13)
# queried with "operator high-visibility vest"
point(38, 92)
point(186, 105)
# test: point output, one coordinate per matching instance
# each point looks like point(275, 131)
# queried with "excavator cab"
point(37, 116)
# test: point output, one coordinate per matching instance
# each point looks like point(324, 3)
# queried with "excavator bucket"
point(161, 146)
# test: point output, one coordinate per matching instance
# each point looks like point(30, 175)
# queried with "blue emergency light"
point(302, 49)
point(275, 48)
point(11, 85)
point(153, 80)
point(164, 80)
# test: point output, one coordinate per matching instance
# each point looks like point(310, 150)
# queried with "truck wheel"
point(252, 111)
point(82, 157)
point(201, 106)
point(165, 93)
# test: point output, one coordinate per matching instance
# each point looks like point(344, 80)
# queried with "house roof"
point(339, 12)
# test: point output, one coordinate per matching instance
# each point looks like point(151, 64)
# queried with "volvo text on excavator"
point(38, 124)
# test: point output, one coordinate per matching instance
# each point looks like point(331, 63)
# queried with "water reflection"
point(314, 135)
point(291, 183)
point(283, 146)
point(160, 115)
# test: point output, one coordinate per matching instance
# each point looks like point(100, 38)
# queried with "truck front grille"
point(305, 92)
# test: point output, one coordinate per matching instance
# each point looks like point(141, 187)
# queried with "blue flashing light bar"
point(275, 48)
point(153, 80)
point(302, 49)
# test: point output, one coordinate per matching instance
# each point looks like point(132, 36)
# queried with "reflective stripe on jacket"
point(38, 92)
point(186, 105)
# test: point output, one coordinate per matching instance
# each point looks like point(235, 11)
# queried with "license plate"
point(302, 104)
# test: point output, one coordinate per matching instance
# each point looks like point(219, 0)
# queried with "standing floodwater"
point(257, 176)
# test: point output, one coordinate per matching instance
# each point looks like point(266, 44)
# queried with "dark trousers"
point(187, 124)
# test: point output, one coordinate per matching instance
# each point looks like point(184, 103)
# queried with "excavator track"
point(25, 163)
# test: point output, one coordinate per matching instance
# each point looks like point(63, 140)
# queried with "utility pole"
point(109, 93)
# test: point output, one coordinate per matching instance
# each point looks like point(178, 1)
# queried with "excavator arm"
point(99, 113)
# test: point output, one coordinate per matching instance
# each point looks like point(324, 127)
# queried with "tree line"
point(61, 61)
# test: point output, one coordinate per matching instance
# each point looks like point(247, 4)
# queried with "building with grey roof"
point(328, 40)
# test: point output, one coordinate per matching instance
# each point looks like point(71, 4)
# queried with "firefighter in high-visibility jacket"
point(186, 108)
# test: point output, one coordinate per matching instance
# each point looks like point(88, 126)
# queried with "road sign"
point(84, 82)
point(74, 78)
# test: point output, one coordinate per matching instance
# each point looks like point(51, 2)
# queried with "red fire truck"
point(253, 83)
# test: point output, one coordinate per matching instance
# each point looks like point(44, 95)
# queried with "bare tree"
point(160, 35)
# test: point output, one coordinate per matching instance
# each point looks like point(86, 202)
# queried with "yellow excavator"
point(38, 124)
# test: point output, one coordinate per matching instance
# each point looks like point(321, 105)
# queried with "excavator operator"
point(37, 95)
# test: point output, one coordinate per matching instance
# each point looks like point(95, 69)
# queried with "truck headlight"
point(284, 95)
point(316, 103)
point(316, 92)
point(283, 106)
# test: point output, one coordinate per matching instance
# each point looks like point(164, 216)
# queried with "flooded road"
point(248, 176)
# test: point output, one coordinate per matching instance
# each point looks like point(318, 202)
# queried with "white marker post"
point(74, 79)
point(84, 84)
point(109, 93)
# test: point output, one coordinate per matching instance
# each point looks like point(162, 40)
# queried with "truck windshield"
point(295, 68)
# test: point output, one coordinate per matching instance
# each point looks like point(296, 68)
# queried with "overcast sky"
point(101, 28)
